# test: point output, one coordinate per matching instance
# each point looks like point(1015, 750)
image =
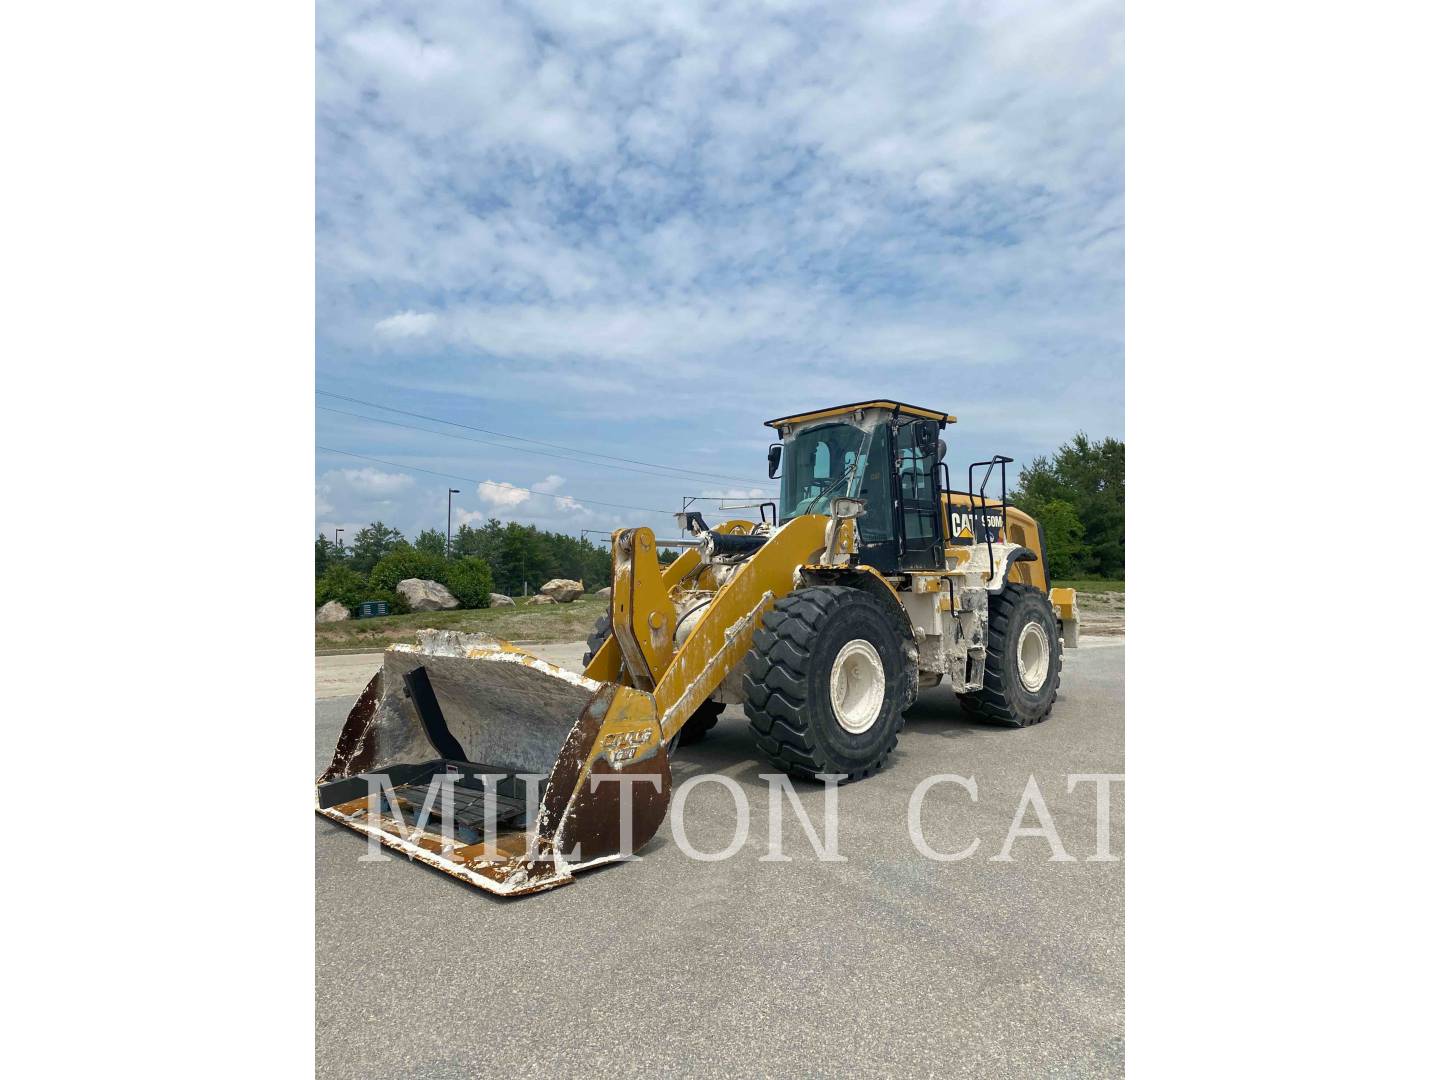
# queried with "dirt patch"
point(1101, 613)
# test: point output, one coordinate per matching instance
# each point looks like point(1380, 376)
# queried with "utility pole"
point(450, 492)
point(337, 539)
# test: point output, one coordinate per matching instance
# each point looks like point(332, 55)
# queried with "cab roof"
point(841, 410)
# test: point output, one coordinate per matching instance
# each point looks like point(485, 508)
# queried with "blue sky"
point(642, 229)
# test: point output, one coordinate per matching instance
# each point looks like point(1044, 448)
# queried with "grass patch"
point(540, 623)
point(1090, 585)
point(543, 623)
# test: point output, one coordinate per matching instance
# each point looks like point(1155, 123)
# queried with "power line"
point(536, 442)
point(502, 446)
point(492, 483)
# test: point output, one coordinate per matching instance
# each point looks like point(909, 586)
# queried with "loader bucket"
point(476, 758)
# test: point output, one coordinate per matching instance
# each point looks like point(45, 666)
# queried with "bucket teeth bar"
point(478, 759)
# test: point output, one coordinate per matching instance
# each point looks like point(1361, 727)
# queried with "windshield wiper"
point(849, 472)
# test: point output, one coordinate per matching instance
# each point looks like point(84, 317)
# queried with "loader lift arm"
point(643, 615)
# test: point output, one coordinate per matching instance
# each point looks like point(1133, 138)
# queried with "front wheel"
point(824, 683)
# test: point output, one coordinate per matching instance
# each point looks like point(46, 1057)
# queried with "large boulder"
point(334, 611)
point(562, 590)
point(500, 600)
point(603, 594)
point(540, 598)
point(424, 595)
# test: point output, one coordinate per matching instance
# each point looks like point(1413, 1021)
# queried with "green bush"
point(469, 579)
point(405, 562)
point(341, 583)
point(1064, 537)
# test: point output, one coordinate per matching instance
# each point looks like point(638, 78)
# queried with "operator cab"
point(886, 453)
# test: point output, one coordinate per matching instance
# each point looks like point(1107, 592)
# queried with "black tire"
point(1004, 699)
point(701, 720)
point(597, 638)
point(787, 683)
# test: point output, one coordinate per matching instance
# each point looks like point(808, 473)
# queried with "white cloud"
point(358, 490)
point(406, 324)
point(550, 484)
point(474, 518)
point(402, 53)
point(371, 481)
point(501, 493)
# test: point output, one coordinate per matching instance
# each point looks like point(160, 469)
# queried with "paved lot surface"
point(886, 964)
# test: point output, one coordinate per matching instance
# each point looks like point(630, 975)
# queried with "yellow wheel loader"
point(870, 578)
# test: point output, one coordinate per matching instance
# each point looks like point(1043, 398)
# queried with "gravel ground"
point(887, 963)
point(1102, 614)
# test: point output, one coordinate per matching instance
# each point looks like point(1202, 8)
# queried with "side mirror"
point(940, 451)
point(774, 459)
point(845, 508)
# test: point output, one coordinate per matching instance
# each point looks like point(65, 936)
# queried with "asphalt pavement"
point(887, 964)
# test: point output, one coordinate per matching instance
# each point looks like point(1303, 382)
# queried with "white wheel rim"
point(1034, 657)
point(857, 686)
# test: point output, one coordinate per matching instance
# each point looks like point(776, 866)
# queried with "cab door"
point(922, 542)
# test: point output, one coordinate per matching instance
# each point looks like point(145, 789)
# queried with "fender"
point(1014, 555)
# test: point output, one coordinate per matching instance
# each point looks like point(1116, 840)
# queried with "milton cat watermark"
point(1032, 819)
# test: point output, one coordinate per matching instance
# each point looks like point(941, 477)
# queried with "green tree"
point(1090, 476)
point(373, 543)
point(431, 542)
point(522, 554)
point(466, 541)
point(340, 582)
point(405, 562)
point(326, 553)
point(1064, 537)
point(470, 581)
point(517, 556)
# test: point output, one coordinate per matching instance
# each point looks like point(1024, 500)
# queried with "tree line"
point(1078, 496)
point(502, 557)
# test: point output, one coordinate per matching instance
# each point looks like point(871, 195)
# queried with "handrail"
point(1002, 461)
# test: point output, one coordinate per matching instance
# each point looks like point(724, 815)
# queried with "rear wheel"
point(824, 683)
point(596, 639)
point(701, 720)
point(1022, 660)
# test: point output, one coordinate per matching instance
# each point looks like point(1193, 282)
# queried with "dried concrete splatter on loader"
point(868, 580)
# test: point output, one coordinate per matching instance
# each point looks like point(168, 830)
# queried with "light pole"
point(452, 491)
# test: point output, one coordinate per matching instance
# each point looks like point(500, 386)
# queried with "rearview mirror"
point(774, 458)
point(845, 508)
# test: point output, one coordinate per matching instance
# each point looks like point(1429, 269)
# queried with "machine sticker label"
point(621, 746)
point(964, 526)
